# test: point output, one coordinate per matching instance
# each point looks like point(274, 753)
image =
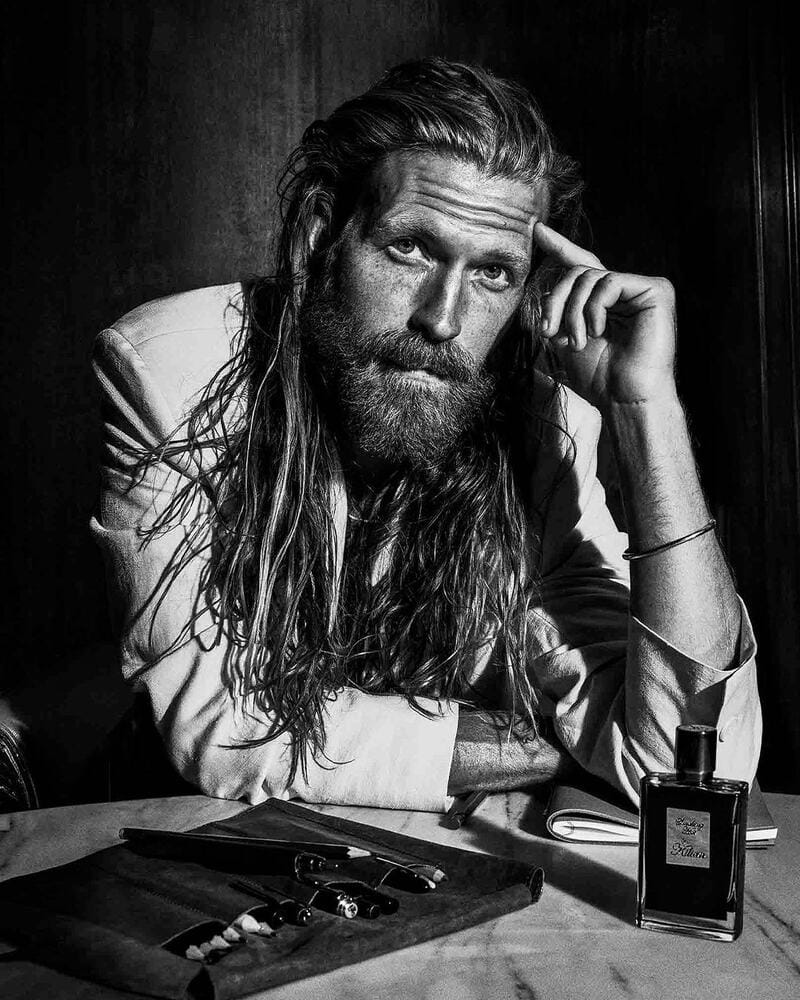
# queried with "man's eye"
point(404, 246)
point(496, 275)
point(407, 250)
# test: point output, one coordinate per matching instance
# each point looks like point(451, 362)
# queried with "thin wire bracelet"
point(633, 556)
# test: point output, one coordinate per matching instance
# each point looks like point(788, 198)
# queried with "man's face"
point(429, 273)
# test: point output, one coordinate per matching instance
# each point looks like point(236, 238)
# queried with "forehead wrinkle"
point(480, 216)
point(460, 191)
point(464, 200)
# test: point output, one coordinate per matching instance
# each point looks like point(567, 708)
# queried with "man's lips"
point(408, 356)
point(419, 374)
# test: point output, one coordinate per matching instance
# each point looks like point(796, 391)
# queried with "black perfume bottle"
point(692, 829)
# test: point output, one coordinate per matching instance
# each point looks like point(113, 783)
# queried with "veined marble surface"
point(578, 942)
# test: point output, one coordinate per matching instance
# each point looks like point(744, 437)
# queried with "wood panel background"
point(142, 142)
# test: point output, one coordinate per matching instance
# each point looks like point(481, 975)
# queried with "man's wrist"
point(661, 490)
point(664, 405)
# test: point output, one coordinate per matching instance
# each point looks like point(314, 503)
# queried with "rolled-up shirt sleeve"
point(614, 688)
point(379, 751)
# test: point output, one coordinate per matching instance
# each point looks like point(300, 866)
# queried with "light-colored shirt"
point(614, 689)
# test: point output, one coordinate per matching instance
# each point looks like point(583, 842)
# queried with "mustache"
point(405, 349)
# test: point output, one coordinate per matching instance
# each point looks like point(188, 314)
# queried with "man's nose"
point(439, 309)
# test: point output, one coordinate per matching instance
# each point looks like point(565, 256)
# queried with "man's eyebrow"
point(411, 225)
point(516, 261)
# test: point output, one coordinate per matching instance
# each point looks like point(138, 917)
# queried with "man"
point(356, 538)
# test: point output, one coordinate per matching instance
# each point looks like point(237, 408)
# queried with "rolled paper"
point(247, 923)
point(429, 871)
point(410, 881)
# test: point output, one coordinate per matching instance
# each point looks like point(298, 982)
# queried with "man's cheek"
point(374, 290)
point(396, 292)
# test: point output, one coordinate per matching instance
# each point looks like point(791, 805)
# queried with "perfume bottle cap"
point(695, 750)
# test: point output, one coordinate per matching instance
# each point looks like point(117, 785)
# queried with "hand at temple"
point(615, 333)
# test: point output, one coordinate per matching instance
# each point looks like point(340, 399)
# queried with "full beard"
point(386, 416)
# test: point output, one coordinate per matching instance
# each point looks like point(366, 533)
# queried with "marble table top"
point(578, 942)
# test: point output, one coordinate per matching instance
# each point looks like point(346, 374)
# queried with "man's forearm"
point(487, 758)
point(685, 593)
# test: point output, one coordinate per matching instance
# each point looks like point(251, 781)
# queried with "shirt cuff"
point(746, 645)
point(690, 691)
point(383, 753)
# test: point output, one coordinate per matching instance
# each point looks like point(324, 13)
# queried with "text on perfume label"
point(688, 838)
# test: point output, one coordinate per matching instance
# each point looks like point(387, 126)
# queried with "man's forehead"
point(458, 192)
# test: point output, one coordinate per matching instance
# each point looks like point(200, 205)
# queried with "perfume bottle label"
point(688, 838)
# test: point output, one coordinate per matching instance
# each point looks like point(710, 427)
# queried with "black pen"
point(378, 871)
point(402, 877)
point(229, 853)
point(319, 897)
point(367, 908)
point(460, 811)
point(268, 911)
point(433, 872)
point(365, 894)
point(287, 909)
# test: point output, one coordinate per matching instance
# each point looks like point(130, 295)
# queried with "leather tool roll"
point(104, 918)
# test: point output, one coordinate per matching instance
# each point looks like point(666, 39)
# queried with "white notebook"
point(578, 815)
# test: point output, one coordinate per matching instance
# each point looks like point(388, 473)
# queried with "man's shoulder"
point(200, 314)
point(176, 343)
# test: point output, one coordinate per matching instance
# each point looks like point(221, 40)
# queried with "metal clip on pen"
point(381, 872)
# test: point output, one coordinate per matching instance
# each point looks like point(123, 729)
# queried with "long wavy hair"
point(298, 631)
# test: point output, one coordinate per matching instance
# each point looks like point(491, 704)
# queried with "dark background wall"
point(142, 145)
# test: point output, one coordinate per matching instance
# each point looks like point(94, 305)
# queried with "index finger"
point(557, 246)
